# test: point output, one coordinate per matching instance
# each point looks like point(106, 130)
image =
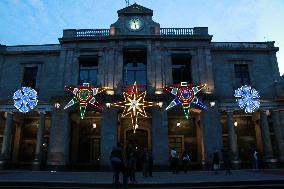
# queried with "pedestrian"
point(227, 161)
point(132, 166)
point(260, 161)
point(185, 160)
point(145, 162)
point(117, 163)
point(151, 162)
point(174, 161)
point(255, 159)
point(216, 161)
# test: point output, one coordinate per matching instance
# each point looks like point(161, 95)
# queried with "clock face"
point(135, 24)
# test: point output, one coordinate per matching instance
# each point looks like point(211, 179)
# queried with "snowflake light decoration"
point(83, 95)
point(247, 98)
point(185, 94)
point(134, 105)
point(25, 99)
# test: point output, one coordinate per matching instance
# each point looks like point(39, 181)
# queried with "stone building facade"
point(137, 48)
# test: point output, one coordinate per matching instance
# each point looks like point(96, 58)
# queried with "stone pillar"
point(266, 139)
point(17, 141)
point(160, 143)
point(212, 133)
point(59, 140)
point(6, 145)
point(39, 141)
point(232, 139)
point(282, 123)
point(278, 133)
point(109, 135)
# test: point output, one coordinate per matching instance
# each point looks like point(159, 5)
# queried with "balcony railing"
point(95, 33)
point(92, 32)
point(176, 31)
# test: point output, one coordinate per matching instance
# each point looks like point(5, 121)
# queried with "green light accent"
point(82, 111)
point(84, 94)
point(186, 110)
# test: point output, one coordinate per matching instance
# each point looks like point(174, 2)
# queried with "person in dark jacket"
point(185, 158)
point(216, 162)
point(117, 162)
point(227, 161)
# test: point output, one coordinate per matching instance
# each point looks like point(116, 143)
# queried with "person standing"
point(132, 166)
point(216, 162)
point(185, 161)
point(174, 161)
point(151, 162)
point(145, 162)
point(117, 163)
point(227, 162)
point(255, 159)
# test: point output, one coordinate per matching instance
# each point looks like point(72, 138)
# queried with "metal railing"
point(176, 31)
point(92, 32)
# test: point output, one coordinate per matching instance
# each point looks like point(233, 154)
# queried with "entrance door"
point(139, 139)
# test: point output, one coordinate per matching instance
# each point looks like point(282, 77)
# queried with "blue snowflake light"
point(25, 99)
point(247, 98)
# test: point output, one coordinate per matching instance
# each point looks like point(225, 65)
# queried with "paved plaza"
point(159, 179)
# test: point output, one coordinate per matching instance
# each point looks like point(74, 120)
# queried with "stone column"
point(282, 123)
point(266, 140)
point(59, 140)
point(278, 133)
point(108, 135)
point(212, 133)
point(39, 141)
point(6, 145)
point(232, 139)
point(17, 141)
point(160, 143)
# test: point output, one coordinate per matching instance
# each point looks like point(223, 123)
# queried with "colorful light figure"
point(83, 95)
point(247, 98)
point(185, 94)
point(134, 105)
point(25, 99)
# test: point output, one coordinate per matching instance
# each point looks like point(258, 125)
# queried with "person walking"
point(174, 161)
point(216, 162)
point(185, 161)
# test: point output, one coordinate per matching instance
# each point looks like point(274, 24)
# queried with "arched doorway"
point(139, 140)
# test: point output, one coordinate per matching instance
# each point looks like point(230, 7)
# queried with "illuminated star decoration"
point(134, 105)
point(25, 99)
point(83, 95)
point(185, 94)
point(247, 98)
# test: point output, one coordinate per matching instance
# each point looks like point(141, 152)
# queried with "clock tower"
point(135, 20)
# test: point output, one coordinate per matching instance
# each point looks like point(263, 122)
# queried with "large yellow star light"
point(134, 105)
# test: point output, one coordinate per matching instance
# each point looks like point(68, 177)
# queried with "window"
point(88, 69)
point(181, 69)
point(135, 67)
point(135, 72)
point(241, 74)
point(30, 74)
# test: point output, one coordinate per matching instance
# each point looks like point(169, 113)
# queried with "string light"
point(25, 99)
point(247, 98)
point(134, 105)
point(83, 95)
point(185, 94)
